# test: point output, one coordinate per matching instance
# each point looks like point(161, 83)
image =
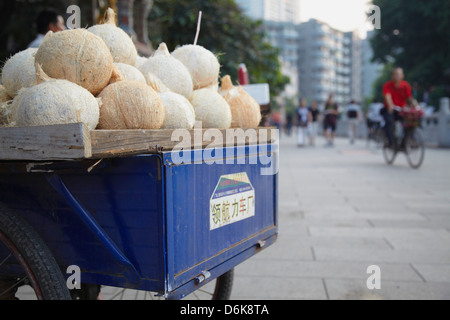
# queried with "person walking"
point(330, 121)
point(313, 123)
point(302, 123)
point(353, 116)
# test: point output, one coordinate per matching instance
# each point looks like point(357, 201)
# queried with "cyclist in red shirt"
point(396, 93)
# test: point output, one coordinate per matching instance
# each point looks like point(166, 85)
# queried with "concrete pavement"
point(342, 210)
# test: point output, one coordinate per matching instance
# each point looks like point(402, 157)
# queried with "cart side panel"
point(196, 246)
point(122, 196)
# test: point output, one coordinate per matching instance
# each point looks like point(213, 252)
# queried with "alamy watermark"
point(374, 280)
point(261, 147)
point(374, 16)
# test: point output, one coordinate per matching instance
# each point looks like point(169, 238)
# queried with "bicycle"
point(375, 134)
point(411, 142)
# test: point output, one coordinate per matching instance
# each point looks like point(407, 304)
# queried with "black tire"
point(415, 149)
point(389, 153)
point(40, 269)
point(224, 286)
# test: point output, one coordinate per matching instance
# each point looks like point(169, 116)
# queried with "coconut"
point(156, 83)
point(78, 56)
point(140, 61)
point(129, 72)
point(55, 102)
point(6, 119)
point(130, 104)
point(170, 71)
point(118, 41)
point(179, 111)
point(4, 96)
point(19, 72)
point(211, 108)
point(202, 64)
point(245, 110)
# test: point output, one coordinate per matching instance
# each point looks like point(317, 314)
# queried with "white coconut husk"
point(78, 56)
point(155, 83)
point(19, 72)
point(54, 101)
point(211, 108)
point(245, 110)
point(129, 72)
point(140, 61)
point(170, 71)
point(4, 96)
point(202, 64)
point(118, 41)
point(179, 112)
point(6, 114)
point(130, 104)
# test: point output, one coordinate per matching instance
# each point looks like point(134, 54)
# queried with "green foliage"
point(416, 35)
point(225, 30)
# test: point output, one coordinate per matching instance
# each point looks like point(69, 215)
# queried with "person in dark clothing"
point(330, 121)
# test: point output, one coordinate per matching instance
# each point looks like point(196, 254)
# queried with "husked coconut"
point(140, 61)
point(78, 56)
point(129, 72)
point(170, 71)
point(55, 102)
point(130, 104)
point(4, 96)
point(179, 111)
point(19, 72)
point(202, 64)
point(156, 83)
point(245, 110)
point(118, 41)
point(6, 118)
point(211, 108)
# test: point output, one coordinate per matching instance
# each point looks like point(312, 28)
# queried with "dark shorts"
point(330, 122)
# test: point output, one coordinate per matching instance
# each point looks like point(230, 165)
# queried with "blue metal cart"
point(141, 222)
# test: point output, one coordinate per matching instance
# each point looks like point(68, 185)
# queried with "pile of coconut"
point(96, 77)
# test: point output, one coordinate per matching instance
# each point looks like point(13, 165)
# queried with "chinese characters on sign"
point(233, 200)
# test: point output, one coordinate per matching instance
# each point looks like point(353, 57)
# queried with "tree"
point(226, 31)
point(415, 35)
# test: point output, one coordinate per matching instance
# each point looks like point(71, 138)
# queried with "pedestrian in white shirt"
point(47, 20)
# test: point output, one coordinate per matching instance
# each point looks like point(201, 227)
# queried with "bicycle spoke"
point(4, 260)
point(15, 285)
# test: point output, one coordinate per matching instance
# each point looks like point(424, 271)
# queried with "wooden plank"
point(111, 143)
point(56, 142)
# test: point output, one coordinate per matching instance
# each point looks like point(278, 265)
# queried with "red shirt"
point(399, 95)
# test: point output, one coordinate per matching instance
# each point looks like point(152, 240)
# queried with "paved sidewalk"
point(342, 210)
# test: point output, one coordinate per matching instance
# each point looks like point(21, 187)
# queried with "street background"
point(343, 209)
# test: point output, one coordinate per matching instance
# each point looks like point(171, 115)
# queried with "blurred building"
point(325, 62)
point(272, 10)
point(318, 58)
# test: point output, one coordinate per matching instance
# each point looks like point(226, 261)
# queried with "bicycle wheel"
point(415, 149)
point(25, 260)
point(220, 289)
point(389, 152)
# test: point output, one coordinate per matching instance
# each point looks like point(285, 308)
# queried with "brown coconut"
point(130, 104)
point(78, 56)
point(245, 110)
